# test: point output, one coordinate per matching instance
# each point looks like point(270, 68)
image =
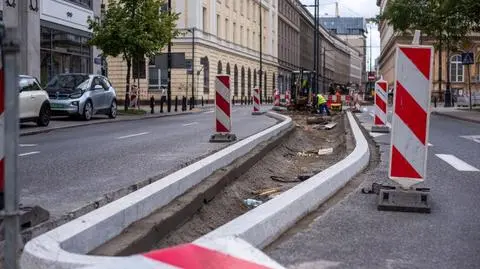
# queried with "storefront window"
point(63, 52)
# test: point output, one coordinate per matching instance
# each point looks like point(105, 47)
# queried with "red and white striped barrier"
point(411, 115)
point(381, 101)
point(276, 98)
point(223, 110)
point(288, 98)
point(2, 131)
point(256, 101)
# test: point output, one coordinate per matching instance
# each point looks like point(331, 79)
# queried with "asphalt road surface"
point(66, 169)
point(353, 234)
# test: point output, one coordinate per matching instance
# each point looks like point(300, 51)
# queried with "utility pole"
point(11, 34)
point(261, 45)
point(169, 66)
point(315, 48)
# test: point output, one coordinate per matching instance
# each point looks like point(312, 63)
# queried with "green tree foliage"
point(448, 22)
point(133, 29)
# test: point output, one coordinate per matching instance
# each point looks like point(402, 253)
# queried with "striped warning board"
point(409, 145)
point(223, 104)
point(191, 256)
point(381, 101)
point(256, 101)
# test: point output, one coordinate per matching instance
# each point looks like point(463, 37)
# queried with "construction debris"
point(330, 126)
point(252, 203)
point(326, 151)
point(319, 120)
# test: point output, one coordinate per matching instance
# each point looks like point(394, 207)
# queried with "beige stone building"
point(454, 71)
point(227, 41)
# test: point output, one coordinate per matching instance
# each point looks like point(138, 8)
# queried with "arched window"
point(219, 67)
point(456, 69)
point(255, 78)
point(265, 84)
point(206, 74)
point(235, 81)
point(228, 68)
point(273, 83)
point(249, 89)
point(243, 82)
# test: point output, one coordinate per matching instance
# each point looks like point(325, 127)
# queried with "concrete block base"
point(279, 108)
point(404, 200)
point(223, 138)
point(380, 129)
point(257, 113)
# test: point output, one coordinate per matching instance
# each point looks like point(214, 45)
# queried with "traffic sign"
point(411, 115)
point(467, 58)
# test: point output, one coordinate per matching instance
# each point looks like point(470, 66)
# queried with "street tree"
point(134, 29)
point(447, 23)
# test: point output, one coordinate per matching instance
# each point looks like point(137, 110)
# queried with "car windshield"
point(68, 82)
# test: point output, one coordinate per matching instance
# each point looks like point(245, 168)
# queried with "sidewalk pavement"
point(64, 122)
point(458, 113)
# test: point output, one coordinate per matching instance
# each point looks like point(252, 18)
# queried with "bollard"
point(435, 101)
point(192, 103)
point(162, 101)
point(152, 104)
point(176, 103)
point(223, 110)
point(184, 103)
point(202, 100)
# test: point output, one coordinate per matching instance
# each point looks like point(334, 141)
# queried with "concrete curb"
point(65, 246)
point(455, 117)
point(262, 225)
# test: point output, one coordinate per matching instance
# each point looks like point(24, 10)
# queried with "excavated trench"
point(261, 175)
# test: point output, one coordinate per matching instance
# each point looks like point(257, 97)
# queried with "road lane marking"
point(235, 110)
point(27, 145)
point(474, 138)
point(208, 112)
point(189, 124)
point(132, 135)
point(430, 145)
point(457, 163)
point(28, 153)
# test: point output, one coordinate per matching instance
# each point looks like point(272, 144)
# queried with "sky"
point(354, 8)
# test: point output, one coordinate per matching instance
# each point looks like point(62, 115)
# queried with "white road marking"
point(457, 163)
point(430, 145)
point(27, 145)
point(28, 153)
point(132, 135)
point(474, 138)
point(189, 124)
point(208, 112)
point(235, 110)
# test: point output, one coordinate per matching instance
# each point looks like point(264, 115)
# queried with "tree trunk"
point(127, 89)
point(440, 64)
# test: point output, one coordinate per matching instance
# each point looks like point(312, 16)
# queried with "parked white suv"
point(34, 102)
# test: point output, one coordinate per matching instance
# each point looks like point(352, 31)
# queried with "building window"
point(218, 25)
point(456, 69)
point(206, 74)
point(204, 26)
point(226, 29)
point(63, 52)
point(82, 3)
point(228, 68)
point(234, 32)
point(242, 40)
point(243, 82)
point(219, 67)
point(255, 78)
point(265, 84)
point(249, 81)
point(248, 39)
point(235, 80)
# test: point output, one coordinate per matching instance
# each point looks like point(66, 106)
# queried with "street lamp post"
point(261, 45)
point(192, 30)
point(169, 68)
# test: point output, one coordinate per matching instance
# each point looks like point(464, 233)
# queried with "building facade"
point(56, 36)
point(227, 41)
point(448, 68)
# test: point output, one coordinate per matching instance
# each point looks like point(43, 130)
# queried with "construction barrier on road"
point(411, 115)
point(223, 110)
point(276, 97)
point(381, 100)
point(256, 101)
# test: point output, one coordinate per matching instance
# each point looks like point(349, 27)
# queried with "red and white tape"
point(223, 104)
point(381, 101)
point(256, 100)
point(409, 145)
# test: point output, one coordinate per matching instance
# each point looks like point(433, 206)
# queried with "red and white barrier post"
point(256, 101)
point(223, 110)
point(287, 98)
point(276, 98)
point(409, 139)
point(381, 101)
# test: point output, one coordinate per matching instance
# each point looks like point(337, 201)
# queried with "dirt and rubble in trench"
point(297, 154)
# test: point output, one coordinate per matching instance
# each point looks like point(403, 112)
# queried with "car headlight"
point(76, 95)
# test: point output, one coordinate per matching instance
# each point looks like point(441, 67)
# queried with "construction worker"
point(322, 104)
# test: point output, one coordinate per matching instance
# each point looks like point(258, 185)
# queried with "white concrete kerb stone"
point(65, 246)
point(262, 225)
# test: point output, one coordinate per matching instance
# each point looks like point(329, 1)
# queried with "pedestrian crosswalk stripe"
point(457, 163)
point(474, 138)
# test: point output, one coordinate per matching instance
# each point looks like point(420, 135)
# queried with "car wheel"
point(44, 115)
point(88, 110)
point(112, 114)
